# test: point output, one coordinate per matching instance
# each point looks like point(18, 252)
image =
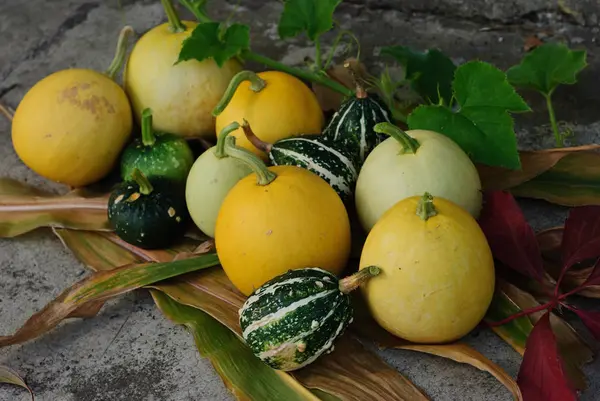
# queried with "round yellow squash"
point(180, 95)
point(71, 126)
point(437, 271)
point(277, 105)
point(278, 219)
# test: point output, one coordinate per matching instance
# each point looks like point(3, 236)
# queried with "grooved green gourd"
point(294, 318)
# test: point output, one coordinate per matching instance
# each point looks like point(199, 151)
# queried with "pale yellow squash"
point(437, 271)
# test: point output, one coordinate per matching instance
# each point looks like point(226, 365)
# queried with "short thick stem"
point(175, 24)
point(320, 79)
point(408, 143)
point(425, 207)
point(221, 140)
point(254, 140)
point(148, 137)
point(143, 182)
point(361, 93)
point(263, 174)
point(256, 85)
point(120, 52)
point(350, 283)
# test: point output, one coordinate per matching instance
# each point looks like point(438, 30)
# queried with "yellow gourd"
point(437, 270)
point(181, 95)
point(277, 105)
point(71, 126)
point(277, 219)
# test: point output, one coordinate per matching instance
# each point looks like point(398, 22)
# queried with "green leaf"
point(311, 16)
point(515, 333)
point(7, 375)
point(213, 40)
point(242, 372)
point(481, 124)
point(430, 72)
point(547, 66)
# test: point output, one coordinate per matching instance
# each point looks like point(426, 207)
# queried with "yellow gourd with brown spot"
point(71, 126)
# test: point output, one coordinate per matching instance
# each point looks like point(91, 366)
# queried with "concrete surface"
point(129, 351)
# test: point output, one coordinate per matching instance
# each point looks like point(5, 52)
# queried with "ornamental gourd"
point(296, 317)
point(437, 270)
point(352, 124)
point(410, 163)
point(329, 161)
point(213, 174)
point(148, 212)
point(72, 125)
point(277, 219)
point(276, 104)
point(157, 154)
point(183, 94)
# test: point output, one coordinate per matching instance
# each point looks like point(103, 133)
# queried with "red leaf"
point(591, 319)
point(542, 375)
point(581, 238)
point(511, 238)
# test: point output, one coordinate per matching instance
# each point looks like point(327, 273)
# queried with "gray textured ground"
point(129, 351)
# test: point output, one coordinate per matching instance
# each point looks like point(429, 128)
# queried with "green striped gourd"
point(294, 318)
point(328, 160)
point(352, 124)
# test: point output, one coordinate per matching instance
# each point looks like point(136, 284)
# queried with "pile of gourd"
point(275, 192)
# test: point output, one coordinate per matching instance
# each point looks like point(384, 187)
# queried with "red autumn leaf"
point(511, 238)
point(542, 375)
point(591, 319)
point(581, 238)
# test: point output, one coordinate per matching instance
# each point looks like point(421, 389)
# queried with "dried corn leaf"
point(7, 375)
point(24, 208)
point(367, 328)
point(100, 287)
point(331, 100)
point(246, 376)
point(561, 175)
point(368, 375)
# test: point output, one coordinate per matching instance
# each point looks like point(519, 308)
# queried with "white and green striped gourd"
point(294, 318)
point(329, 160)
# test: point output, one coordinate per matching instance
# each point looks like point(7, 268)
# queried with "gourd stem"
point(223, 135)
point(254, 140)
point(264, 176)
point(361, 93)
point(256, 84)
point(350, 283)
point(145, 187)
point(425, 207)
point(148, 137)
point(119, 58)
point(408, 143)
point(175, 24)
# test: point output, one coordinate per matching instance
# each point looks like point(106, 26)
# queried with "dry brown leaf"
point(330, 99)
point(533, 164)
point(7, 112)
point(212, 292)
point(531, 42)
point(24, 208)
point(99, 287)
point(87, 310)
point(8, 375)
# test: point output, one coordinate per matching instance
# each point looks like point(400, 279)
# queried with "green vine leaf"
point(213, 40)
point(311, 16)
point(546, 67)
point(430, 72)
point(480, 124)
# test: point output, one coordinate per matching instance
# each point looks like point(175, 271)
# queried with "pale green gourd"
point(211, 177)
